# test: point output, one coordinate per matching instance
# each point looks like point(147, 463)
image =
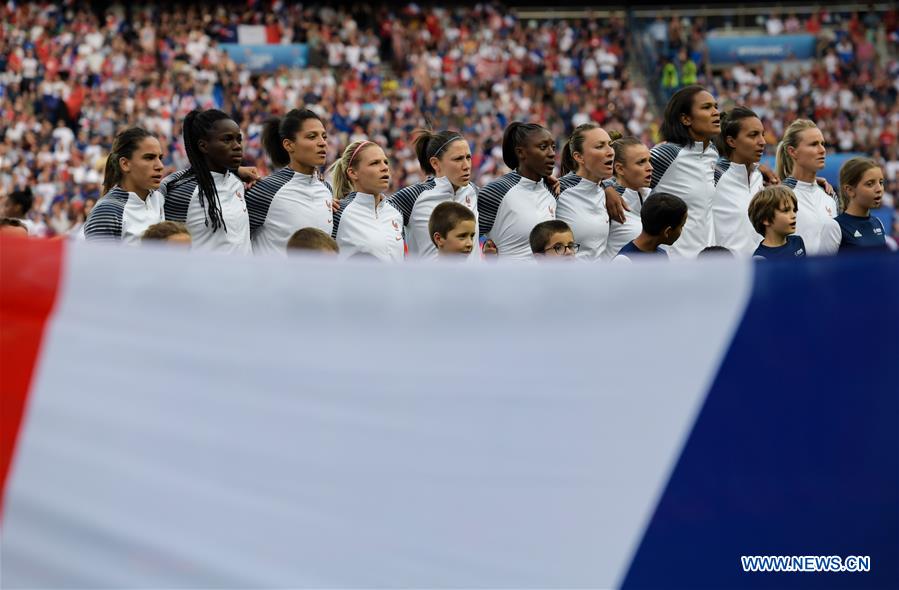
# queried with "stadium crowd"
point(72, 80)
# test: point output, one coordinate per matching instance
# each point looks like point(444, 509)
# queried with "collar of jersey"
point(696, 146)
point(804, 184)
point(589, 183)
point(753, 168)
point(530, 184)
point(306, 178)
point(219, 176)
point(129, 194)
point(445, 185)
point(367, 198)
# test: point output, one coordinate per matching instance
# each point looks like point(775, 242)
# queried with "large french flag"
point(188, 420)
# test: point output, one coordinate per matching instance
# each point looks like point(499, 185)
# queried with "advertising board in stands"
point(758, 48)
point(268, 57)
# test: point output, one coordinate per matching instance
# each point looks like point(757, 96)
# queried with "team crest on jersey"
point(829, 211)
point(878, 231)
point(799, 252)
point(552, 210)
point(468, 201)
point(396, 225)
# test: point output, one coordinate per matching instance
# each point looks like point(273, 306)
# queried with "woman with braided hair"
point(209, 196)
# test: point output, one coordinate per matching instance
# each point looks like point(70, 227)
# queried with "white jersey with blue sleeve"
point(509, 208)
point(621, 234)
point(284, 202)
point(362, 228)
point(815, 215)
point(418, 201)
point(582, 205)
point(688, 172)
point(122, 216)
point(735, 185)
point(182, 204)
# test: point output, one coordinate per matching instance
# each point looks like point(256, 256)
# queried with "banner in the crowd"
point(189, 420)
point(268, 57)
point(725, 49)
point(251, 34)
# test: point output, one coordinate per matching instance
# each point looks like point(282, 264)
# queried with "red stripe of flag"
point(29, 281)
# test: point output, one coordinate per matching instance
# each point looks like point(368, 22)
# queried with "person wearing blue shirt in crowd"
point(772, 212)
point(861, 187)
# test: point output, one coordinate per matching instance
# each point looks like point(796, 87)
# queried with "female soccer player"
point(446, 158)
point(366, 223)
point(685, 165)
point(510, 206)
point(587, 160)
point(131, 202)
point(861, 185)
point(633, 175)
point(737, 180)
point(800, 155)
point(295, 196)
point(208, 196)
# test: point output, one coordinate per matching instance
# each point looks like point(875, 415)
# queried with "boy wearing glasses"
point(553, 239)
point(663, 216)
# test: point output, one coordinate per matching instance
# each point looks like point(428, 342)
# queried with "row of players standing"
point(604, 183)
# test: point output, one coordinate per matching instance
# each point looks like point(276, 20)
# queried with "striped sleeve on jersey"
point(344, 202)
point(789, 182)
point(491, 197)
point(721, 167)
point(178, 189)
point(404, 199)
point(568, 181)
point(260, 196)
point(618, 189)
point(105, 219)
point(661, 157)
